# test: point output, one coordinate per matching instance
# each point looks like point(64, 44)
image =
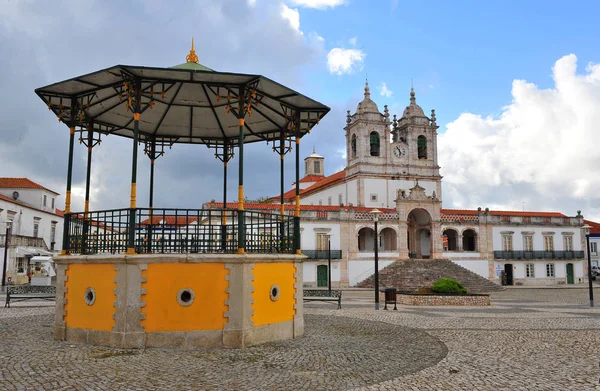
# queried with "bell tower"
point(367, 137)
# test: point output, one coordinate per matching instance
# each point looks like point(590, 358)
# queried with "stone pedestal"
point(179, 300)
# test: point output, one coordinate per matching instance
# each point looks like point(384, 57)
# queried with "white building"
point(392, 166)
point(34, 224)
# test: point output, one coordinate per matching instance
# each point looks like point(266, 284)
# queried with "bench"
point(29, 292)
point(323, 295)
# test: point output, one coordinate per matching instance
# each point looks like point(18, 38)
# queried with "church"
point(392, 175)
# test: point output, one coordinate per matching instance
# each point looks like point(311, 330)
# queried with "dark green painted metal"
point(241, 222)
point(297, 218)
point(65, 245)
point(88, 177)
point(136, 126)
point(151, 196)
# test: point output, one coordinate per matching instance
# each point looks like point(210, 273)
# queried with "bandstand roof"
point(188, 103)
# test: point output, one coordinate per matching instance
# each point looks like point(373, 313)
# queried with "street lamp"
point(589, 259)
point(376, 213)
point(4, 264)
point(329, 263)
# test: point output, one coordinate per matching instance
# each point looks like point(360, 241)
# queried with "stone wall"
point(433, 300)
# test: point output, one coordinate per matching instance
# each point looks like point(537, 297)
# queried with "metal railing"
point(538, 254)
point(322, 254)
point(166, 231)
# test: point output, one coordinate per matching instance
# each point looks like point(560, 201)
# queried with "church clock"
point(399, 151)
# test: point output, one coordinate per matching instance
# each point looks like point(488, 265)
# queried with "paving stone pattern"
point(528, 339)
point(337, 353)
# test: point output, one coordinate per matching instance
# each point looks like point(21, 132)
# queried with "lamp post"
point(589, 260)
point(376, 213)
point(4, 264)
point(329, 264)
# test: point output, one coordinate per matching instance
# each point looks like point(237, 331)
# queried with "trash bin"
point(390, 297)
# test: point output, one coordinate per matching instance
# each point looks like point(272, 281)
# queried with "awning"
point(41, 259)
point(31, 251)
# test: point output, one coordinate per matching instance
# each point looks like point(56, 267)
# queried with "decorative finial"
point(192, 57)
point(433, 119)
point(395, 122)
point(367, 91)
point(314, 149)
point(412, 96)
point(348, 117)
point(386, 112)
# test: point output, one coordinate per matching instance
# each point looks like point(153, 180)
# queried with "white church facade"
point(392, 166)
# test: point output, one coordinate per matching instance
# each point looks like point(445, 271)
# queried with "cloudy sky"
point(516, 89)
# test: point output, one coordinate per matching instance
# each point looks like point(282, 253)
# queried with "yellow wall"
point(163, 282)
point(100, 277)
point(265, 310)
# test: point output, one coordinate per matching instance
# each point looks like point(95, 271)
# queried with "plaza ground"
point(528, 339)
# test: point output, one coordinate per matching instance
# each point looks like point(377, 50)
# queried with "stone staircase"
point(413, 274)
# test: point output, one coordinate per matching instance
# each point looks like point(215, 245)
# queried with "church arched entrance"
point(419, 233)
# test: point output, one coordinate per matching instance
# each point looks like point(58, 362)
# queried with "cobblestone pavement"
point(529, 339)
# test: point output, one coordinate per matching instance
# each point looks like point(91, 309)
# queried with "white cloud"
point(292, 15)
point(541, 150)
point(353, 41)
point(318, 4)
point(384, 90)
point(342, 61)
point(251, 3)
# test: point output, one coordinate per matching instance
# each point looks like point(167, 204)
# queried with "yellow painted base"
point(78, 313)
point(208, 285)
point(268, 276)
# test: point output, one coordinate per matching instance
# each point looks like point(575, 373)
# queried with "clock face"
point(399, 151)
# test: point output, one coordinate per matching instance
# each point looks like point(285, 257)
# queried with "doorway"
point(508, 273)
point(322, 276)
point(570, 275)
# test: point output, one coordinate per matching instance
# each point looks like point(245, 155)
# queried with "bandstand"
point(157, 277)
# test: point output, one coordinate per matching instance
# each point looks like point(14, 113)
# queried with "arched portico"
point(419, 233)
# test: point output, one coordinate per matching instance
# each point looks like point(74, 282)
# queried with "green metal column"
point(151, 196)
point(282, 234)
point(241, 221)
point(224, 211)
point(297, 214)
point(132, 203)
point(67, 219)
point(88, 178)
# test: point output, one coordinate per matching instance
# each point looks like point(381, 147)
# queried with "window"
point(21, 265)
point(45, 199)
point(53, 232)
point(36, 229)
point(548, 243)
point(422, 147)
point(322, 240)
point(568, 242)
point(374, 143)
point(549, 270)
point(353, 145)
point(507, 242)
point(340, 199)
point(329, 200)
point(374, 197)
point(529, 270)
point(9, 224)
point(528, 243)
point(317, 167)
point(320, 202)
point(594, 248)
point(306, 168)
point(52, 204)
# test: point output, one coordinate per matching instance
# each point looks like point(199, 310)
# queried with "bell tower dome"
point(367, 136)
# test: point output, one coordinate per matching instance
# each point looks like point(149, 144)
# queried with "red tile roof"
point(21, 183)
point(595, 226)
point(322, 182)
point(468, 212)
point(326, 181)
point(170, 220)
point(289, 207)
point(311, 178)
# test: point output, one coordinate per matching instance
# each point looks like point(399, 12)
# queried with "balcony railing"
point(538, 254)
point(322, 254)
point(179, 231)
